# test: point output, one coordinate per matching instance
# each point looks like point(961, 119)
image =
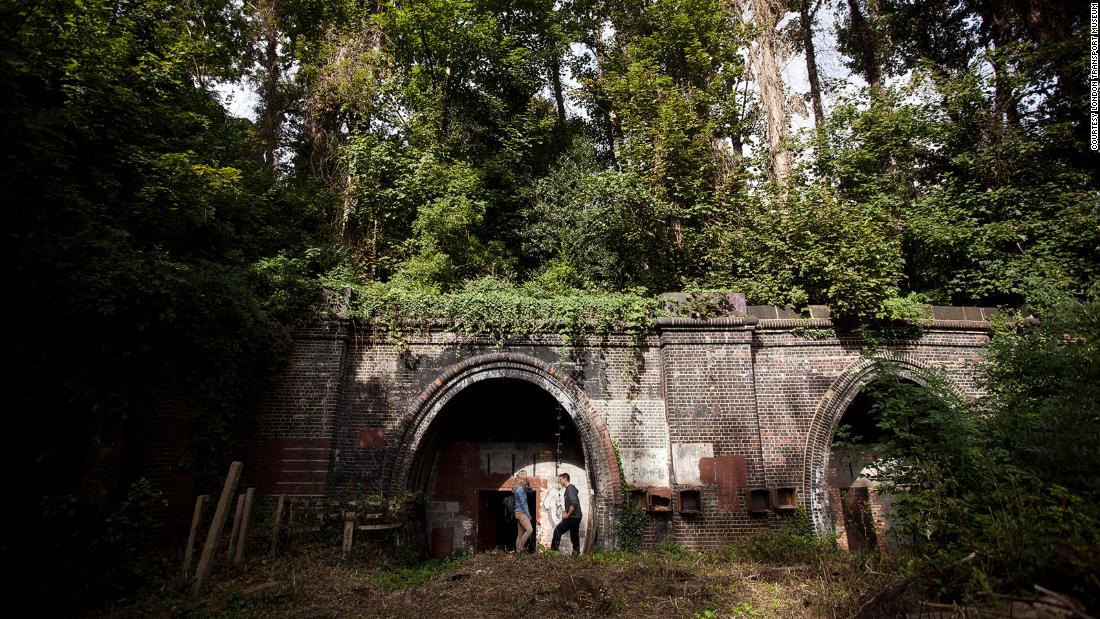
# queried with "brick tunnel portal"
point(860, 513)
point(482, 437)
point(719, 427)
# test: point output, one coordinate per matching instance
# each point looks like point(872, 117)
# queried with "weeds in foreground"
point(405, 577)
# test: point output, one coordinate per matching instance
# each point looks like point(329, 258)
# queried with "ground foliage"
point(810, 580)
point(429, 157)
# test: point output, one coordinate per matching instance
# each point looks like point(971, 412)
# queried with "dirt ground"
point(316, 582)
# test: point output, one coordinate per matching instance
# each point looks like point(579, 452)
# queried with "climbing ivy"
point(632, 522)
point(498, 310)
point(810, 333)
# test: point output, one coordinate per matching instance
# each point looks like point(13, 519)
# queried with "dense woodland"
point(435, 155)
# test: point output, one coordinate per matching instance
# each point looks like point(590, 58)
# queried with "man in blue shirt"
point(571, 520)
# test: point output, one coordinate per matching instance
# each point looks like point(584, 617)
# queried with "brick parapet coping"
point(333, 329)
point(826, 323)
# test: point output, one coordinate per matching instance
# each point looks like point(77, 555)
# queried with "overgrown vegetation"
point(415, 575)
point(498, 309)
point(632, 520)
point(792, 543)
point(668, 581)
point(1010, 477)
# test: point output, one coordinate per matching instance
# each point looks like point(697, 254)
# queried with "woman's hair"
point(521, 479)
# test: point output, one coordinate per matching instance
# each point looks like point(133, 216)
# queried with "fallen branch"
point(1061, 601)
point(260, 588)
point(894, 591)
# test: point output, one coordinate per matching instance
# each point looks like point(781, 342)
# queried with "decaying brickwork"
point(722, 426)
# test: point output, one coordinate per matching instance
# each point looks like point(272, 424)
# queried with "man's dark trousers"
point(572, 525)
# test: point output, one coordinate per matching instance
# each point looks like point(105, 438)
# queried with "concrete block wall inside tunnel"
point(858, 512)
point(496, 528)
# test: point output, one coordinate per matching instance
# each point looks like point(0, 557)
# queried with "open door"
point(859, 522)
point(496, 528)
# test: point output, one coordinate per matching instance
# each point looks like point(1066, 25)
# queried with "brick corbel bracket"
point(599, 455)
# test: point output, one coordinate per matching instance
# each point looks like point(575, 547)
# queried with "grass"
point(405, 577)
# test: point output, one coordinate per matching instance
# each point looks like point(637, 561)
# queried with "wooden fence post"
point(249, 495)
point(217, 525)
point(349, 532)
point(278, 521)
point(236, 527)
point(196, 520)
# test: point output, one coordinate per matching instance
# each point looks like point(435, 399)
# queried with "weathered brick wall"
point(298, 419)
point(718, 407)
point(713, 426)
point(950, 348)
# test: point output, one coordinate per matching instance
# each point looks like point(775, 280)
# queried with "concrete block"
point(443, 507)
point(645, 467)
point(685, 461)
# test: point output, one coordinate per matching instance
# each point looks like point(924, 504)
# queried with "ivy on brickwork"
point(900, 319)
point(492, 308)
point(498, 310)
point(632, 521)
point(814, 334)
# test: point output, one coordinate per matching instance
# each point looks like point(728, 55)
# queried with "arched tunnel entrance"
point(466, 462)
point(860, 513)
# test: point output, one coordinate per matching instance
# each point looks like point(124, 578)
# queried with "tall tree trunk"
point(767, 14)
point(555, 81)
point(1007, 100)
point(867, 52)
point(807, 14)
point(1051, 20)
point(1004, 95)
point(603, 106)
point(271, 111)
point(267, 57)
point(348, 204)
point(726, 163)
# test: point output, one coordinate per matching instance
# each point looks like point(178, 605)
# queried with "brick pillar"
point(297, 419)
point(709, 390)
point(169, 455)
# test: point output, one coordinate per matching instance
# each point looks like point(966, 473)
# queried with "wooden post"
point(215, 532)
point(278, 521)
point(249, 495)
point(349, 532)
point(196, 520)
point(236, 527)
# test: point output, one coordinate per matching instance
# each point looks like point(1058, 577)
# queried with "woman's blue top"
point(521, 500)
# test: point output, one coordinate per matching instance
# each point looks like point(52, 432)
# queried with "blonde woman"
point(523, 513)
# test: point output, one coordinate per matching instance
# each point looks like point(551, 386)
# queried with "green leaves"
point(1011, 476)
point(812, 246)
point(606, 226)
point(134, 211)
point(493, 308)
